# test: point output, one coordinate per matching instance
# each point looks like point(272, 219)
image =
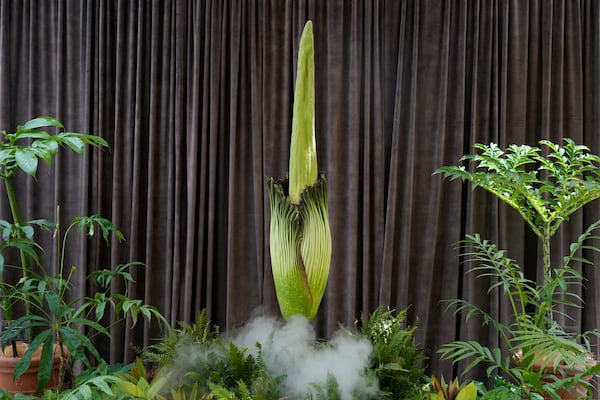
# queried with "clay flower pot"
point(561, 371)
point(28, 382)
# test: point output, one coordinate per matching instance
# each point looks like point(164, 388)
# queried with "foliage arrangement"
point(54, 321)
point(300, 238)
point(202, 331)
point(546, 185)
point(397, 361)
point(195, 361)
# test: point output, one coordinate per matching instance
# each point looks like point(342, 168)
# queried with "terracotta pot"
point(548, 370)
point(28, 382)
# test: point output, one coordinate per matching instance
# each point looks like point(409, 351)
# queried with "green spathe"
point(300, 248)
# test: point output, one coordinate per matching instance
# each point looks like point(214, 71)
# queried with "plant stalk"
point(547, 263)
point(14, 209)
point(546, 254)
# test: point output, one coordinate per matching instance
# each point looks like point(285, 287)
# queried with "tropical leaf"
point(40, 122)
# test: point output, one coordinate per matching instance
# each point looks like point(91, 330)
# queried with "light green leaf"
point(26, 160)
point(41, 122)
point(45, 149)
point(468, 392)
point(75, 143)
point(86, 391)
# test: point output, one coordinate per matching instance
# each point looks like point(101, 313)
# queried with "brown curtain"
point(195, 99)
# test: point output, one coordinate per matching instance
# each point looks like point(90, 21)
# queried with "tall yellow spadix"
point(299, 233)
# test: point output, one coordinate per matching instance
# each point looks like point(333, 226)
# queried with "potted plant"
point(545, 184)
point(58, 326)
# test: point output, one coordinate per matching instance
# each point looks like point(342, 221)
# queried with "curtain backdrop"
point(195, 99)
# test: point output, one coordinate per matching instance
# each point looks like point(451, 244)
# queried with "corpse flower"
point(300, 238)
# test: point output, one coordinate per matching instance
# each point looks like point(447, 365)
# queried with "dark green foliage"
point(194, 362)
point(210, 366)
point(194, 359)
point(218, 368)
point(235, 366)
point(397, 360)
point(201, 331)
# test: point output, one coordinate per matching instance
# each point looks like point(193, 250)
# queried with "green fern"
point(329, 389)
point(163, 352)
point(218, 369)
point(397, 359)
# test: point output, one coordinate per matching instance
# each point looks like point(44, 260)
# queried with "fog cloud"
point(290, 348)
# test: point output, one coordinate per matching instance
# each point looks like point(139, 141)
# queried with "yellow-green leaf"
point(468, 392)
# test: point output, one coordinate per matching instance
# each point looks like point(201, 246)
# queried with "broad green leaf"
point(86, 391)
point(46, 149)
point(41, 122)
point(26, 160)
point(54, 303)
point(25, 361)
point(28, 231)
point(26, 248)
point(92, 140)
point(75, 143)
point(101, 383)
point(77, 341)
point(39, 136)
point(46, 363)
point(100, 308)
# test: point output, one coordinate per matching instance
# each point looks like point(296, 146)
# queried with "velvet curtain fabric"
point(195, 100)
